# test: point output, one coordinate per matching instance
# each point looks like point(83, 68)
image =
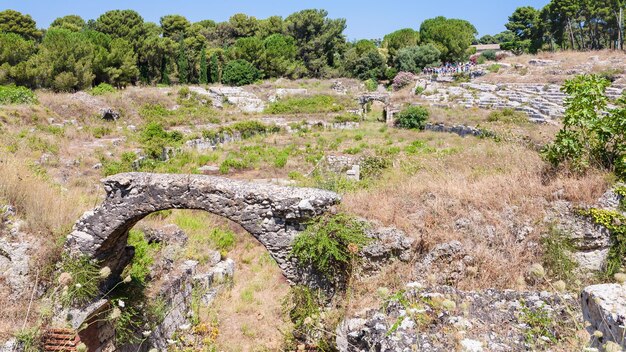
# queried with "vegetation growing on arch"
point(331, 244)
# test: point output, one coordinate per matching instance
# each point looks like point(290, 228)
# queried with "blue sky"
point(366, 18)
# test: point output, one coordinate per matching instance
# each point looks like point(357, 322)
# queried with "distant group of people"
point(449, 68)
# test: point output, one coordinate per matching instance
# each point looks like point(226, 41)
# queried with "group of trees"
point(438, 40)
point(564, 25)
point(120, 48)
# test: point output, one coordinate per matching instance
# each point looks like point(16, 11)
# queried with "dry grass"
point(568, 62)
point(495, 184)
point(48, 212)
point(46, 207)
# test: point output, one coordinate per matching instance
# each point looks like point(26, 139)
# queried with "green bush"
point(413, 117)
point(154, 138)
point(330, 244)
point(590, 137)
point(489, 55)
point(371, 85)
point(305, 105)
point(419, 90)
point(373, 166)
point(102, 88)
point(252, 128)
point(65, 82)
point(16, 95)
point(347, 118)
point(495, 68)
point(508, 115)
point(239, 73)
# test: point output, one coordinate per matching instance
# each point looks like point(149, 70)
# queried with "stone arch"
point(272, 214)
point(369, 97)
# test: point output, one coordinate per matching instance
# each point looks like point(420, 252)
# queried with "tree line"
point(120, 48)
point(564, 25)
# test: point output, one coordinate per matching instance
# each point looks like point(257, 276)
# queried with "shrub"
point(184, 92)
point(489, 55)
point(371, 85)
point(373, 166)
point(102, 88)
point(589, 137)
point(154, 138)
point(461, 77)
point(252, 128)
point(330, 244)
point(403, 79)
point(347, 118)
point(239, 73)
point(419, 90)
point(16, 95)
point(507, 115)
point(495, 68)
point(305, 105)
point(413, 117)
point(139, 268)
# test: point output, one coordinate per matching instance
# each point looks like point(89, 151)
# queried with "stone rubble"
point(237, 96)
point(541, 102)
point(441, 318)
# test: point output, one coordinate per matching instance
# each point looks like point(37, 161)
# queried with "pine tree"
point(165, 75)
point(215, 69)
point(203, 67)
point(183, 65)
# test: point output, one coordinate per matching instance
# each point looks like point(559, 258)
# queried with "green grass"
point(557, 259)
point(306, 105)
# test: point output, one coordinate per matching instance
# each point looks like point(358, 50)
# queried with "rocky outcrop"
point(177, 294)
point(604, 307)
point(461, 130)
point(272, 214)
point(388, 244)
point(591, 241)
point(237, 96)
point(541, 102)
point(109, 114)
point(443, 318)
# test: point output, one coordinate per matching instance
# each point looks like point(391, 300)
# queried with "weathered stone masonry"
point(272, 214)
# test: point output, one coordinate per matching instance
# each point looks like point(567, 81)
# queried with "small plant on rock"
point(79, 280)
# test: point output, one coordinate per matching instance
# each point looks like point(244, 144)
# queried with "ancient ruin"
point(270, 213)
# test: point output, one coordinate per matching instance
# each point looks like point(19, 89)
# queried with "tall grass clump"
point(44, 206)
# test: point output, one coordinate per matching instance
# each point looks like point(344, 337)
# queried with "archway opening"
point(214, 306)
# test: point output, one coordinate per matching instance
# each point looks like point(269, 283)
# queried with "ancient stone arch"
point(369, 97)
point(271, 213)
